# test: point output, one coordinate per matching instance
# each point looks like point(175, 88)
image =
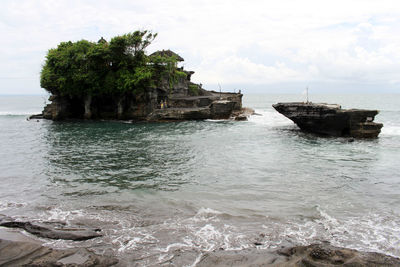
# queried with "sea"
point(182, 189)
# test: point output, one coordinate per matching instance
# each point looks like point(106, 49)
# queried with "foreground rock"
point(19, 250)
point(315, 255)
point(51, 230)
point(331, 119)
point(14, 252)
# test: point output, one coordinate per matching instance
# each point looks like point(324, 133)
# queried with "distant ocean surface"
point(162, 189)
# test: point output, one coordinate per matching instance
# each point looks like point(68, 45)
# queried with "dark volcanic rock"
point(210, 105)
point(222, 109)
point(153, 106)
point(243, 114)
point(241, 117)
point(179, 114)
point(315, 255)
point(213, 106)
point(35, 116)
point(50, 230)
point(330, 119)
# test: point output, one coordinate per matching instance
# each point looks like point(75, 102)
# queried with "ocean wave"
point(269, 118)
point(209, 230)
point(372, 232)
point(211, 120)
point(199, 233)
point(56, 214)
point(390, 130)
point(18, 113)
point(207, 211)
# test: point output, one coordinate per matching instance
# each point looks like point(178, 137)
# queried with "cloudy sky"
point(257, 46)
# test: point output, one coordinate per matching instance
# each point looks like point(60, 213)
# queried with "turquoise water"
point(162, 189)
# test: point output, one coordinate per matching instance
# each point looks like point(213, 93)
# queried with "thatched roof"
point(102, 41)
point(167, 53)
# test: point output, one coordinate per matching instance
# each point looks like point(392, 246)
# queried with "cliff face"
point(128, 106)
point(183, 100)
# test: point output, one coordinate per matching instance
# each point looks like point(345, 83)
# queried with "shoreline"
point(17, 249)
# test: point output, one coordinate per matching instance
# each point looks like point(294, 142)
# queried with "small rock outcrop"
point(331, 119)
point(50, 230)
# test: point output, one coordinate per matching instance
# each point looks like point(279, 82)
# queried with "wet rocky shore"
point(314, 255)
point(17, 249)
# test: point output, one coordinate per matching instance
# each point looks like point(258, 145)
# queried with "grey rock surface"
point(50, 230)
point(18, 253)
point(316, 255)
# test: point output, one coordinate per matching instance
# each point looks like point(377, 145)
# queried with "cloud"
point(247, 42)
point(235, 69)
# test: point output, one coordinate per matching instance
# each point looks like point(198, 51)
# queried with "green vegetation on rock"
point(117, 67)
point(193, 89)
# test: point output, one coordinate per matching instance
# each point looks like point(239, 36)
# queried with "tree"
point(85, 68)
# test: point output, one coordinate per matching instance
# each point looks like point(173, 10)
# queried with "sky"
point(256, 46)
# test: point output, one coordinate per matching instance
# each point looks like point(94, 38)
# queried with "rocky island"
point(331, 119)
point(117, 80)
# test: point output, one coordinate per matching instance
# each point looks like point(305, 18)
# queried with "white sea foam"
point(208, 232)
point(210, 120)
point(18, 113)
point(371, 232)
point(206, 214)
point(131, 239)
point(390, 130)
point(174, 245)
point(56, 214)
point(207, 211)
point(269, 118)
point(131, 244)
